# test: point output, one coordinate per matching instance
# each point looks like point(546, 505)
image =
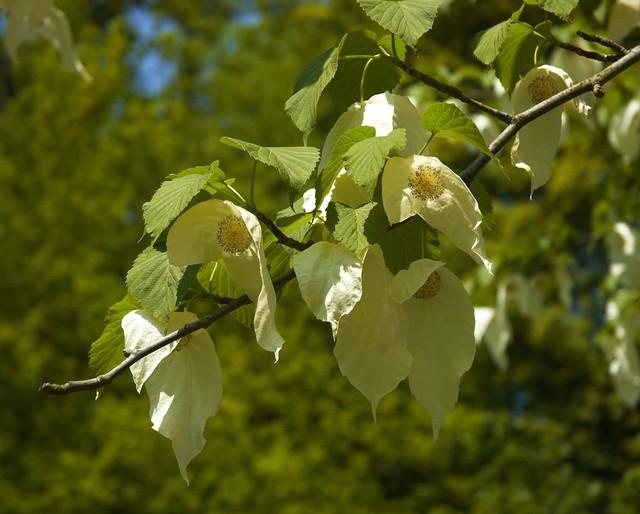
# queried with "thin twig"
point(454, 92)
point(596, 56)
point(102, 380)
point(280, 235)
point(593, 84)
point(609, 43)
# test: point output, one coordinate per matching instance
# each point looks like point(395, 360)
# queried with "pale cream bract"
point(218, 229)
point(624, 17)
point(535, 145)
point(384, 112)
point(330, 280)
point(426, 187)
point(418, 325)
point(183, 381)
point(494, 328)
point(624, 131)
point(28, 18)
point(623, 245)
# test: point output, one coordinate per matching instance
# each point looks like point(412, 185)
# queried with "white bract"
point(624, 17)
point(183, 380)
point(218, 229)
point(494, 328)
point(28, 18)
point(426, 187)
point(330, 280)
point(624, 131)
point(384, 112)
point(624, 254)
point(418, 325)
point(622, 350)
point(535, 145)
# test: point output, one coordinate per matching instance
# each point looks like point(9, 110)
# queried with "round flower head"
point(624, 131)
point(426, 187)
point(183, 380)
point(535, 145)
point(218, 229)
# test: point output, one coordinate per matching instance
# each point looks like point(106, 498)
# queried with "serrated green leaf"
point(518, 54)
point(409, 19)
point(294, 163)
point(302, 105)
point(409, 241)
point(357, 228)
point(106, 352)
point(156, 284)
point(336, 161)
point(490, 42)
point(561, 8)
point(173, 196)
point(447, 120)
point(381, 74)
point(365, 159)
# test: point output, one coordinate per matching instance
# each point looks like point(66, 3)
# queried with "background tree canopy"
point(78, 159)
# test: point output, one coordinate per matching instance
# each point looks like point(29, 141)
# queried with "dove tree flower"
point(624, 254)
point(218, 229)
point(183, 380)
point(417, 324)
point(624, 131)
point(384, 112)
point(535, 145)
point(494, 328)
point(426, 187)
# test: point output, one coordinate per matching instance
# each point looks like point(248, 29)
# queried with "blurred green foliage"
point(77, 161)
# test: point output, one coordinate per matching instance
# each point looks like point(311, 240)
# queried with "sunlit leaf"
point(295, 164)
point(561, 8)
point(357, 228)
point(490, 42)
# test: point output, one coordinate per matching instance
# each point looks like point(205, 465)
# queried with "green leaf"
point(409, 19)
point(365, 159)
point(336, 161)
point(490, 42)
point(215, 278)
point(357, 228)
point(485, 203)
point(381, 73)
point(409, 241)
point(174, 195)
point(106, 352)
point(561, 8)
point(302, 106)
point(158, 285)
point(446, 120)
point(387, 43)
point(294, 163)
point(518, 54)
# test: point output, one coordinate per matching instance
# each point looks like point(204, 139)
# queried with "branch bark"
point(593, 84)
point(102, 380)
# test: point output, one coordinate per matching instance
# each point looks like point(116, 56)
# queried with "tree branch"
point(280, 235)
point(454, 92)
point(609, 43)
point(102, 380)
point(593, 84)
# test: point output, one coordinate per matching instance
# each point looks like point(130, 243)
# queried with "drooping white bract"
point(426, 187)
point(184, 381)
point(623, 353)
point(535, 145)
point(624, 131)
point(416, 324)
point(494, 328)
point(218, 229)
point(624, 254)
point(330, 280)
point(624, 17)
point(384, 112)
point(40, 17)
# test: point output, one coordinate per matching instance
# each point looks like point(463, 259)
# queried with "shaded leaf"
point(106, 351)
point(409, 241)
point(561, 8)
